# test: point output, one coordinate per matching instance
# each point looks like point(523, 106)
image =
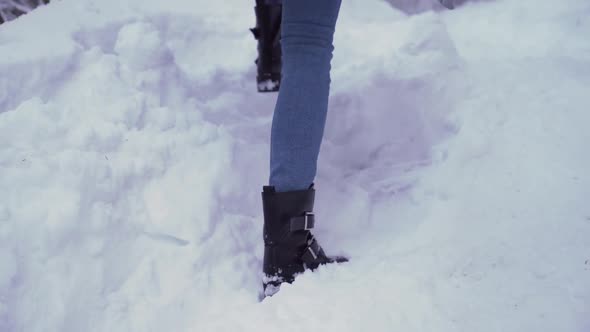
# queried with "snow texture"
point(454, 170)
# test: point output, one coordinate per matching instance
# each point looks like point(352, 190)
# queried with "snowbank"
point(453, 171)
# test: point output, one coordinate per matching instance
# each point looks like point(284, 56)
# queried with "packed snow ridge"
point(454, 170)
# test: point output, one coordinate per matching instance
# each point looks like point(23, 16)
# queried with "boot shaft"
point(280, 208)
point(268, 34)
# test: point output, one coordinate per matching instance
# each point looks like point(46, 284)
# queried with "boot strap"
point(255, 32)
point(311, 253)
point(303, 223)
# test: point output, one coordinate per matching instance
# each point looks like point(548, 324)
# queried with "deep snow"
point(454, 171)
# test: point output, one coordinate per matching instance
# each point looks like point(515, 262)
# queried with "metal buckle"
point(312, 253)
point(303, 222)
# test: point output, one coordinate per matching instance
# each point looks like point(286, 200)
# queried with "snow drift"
point(454, 171)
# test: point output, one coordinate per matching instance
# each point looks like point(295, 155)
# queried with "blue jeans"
point(299, 117)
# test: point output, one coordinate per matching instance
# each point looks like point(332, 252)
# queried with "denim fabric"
point(302, 105)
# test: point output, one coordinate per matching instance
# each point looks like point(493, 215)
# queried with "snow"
point(454, 170)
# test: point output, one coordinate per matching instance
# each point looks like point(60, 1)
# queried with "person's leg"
point(300, 113)
point(297, 130)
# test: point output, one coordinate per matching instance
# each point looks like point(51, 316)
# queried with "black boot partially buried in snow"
point(289, 246)
point(268, 34)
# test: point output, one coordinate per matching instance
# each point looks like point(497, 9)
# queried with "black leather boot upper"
point(268, 34)
point(289, 246)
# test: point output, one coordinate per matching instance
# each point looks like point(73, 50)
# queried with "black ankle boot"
point(268, 34)
point(289, 246)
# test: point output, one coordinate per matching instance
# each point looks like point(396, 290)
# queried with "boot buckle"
point(311, 253)
point(305, 222)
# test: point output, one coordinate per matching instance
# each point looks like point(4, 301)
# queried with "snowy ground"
point(454, 171)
